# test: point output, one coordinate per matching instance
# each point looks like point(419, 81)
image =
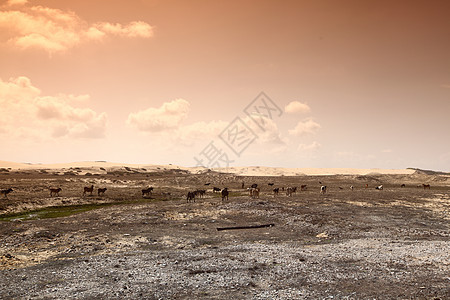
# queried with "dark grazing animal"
point(323, 189)
point(190, 197)
point(276, 191)
point(225, 194)
point(271, 183)
point(200, 193)
point(55, 192)
point(216, 190)
point(101, 191)
point(426, 186)
point(6, 192)
point(254, 186)
point(88, 190)
point(303, 187)
point(147, 192)
point(208, 183)
point(403, 185)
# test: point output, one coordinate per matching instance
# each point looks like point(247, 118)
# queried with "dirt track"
point(360, 244)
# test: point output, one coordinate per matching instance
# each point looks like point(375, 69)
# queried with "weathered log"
point(245, 227)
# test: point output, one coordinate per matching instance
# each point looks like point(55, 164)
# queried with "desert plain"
point(359, 243)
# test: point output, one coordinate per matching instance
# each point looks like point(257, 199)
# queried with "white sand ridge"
point(244, 171)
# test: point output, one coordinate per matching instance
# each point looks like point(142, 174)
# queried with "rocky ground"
point(360, 244)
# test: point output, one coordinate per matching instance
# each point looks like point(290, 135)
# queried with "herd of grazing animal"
point(197, 193)
point(254, 191)
point(54, 192)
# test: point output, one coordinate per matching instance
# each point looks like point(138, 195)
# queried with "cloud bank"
point(167, 122)
point(28, 113)
point(54, 30)
point(166, 117)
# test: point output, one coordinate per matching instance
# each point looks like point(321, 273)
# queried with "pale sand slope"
point(244, 171)
point(270, 171)
point(83, 164)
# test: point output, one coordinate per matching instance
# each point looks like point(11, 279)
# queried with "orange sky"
point(362, 84)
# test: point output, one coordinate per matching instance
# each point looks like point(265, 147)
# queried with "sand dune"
point(271, 171)
point(245, 171)
point(83, 164)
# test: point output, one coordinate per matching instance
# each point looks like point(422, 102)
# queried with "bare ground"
point(360, 244)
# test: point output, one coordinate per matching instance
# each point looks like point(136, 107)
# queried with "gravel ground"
point(361, 244)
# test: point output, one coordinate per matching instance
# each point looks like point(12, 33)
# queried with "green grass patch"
point(66, 210)
point(52, 212)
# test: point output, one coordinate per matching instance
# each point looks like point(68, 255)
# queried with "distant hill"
point(428, 172)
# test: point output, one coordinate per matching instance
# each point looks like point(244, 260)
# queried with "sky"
point(344, 84)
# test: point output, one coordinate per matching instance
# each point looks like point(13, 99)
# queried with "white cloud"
point(167, 117)
point(305, 127)
point(296, 107)
point(165, 123)
point(55, 30)
point(27, 113)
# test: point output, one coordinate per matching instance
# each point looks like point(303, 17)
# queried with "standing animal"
point(289, 191)
point(225, 193)
point(255, 192)
point(380, 187)
point(323, 189)
point(147, 192)
point(200, 193)
point(216, 190)
point(276, 191)
point(190, 197)
point(403, 185)
point(88, 190)
point(6, 192)
point(426, 186)
point(55, 192)
point(101, 191)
